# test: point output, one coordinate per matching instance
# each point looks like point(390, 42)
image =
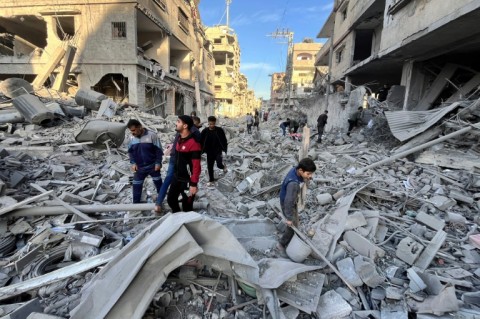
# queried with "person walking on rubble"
point(289, 194)
point(321, 122)
point(186, 172)
point(354, 118)
point(294, 125)
point(145, 153)
point(171, 164)
point(256, 120)
point(284, 125)
point(249, 123)
point(214, 142)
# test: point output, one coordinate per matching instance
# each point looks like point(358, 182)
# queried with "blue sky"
point(252, 20)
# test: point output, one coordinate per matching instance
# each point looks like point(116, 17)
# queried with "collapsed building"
point(149, 53)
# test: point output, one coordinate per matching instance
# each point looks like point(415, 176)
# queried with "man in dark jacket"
point(145, 153)
point(214, 142)
point(321, 122)
point(354, 118)
point(186, 172)
point(289, 193)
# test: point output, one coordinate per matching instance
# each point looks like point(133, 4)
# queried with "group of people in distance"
point(183, 174)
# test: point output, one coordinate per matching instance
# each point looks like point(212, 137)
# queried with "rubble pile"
point(386, 236)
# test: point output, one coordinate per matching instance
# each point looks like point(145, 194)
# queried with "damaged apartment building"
point(232, 95)
point(427, 51)
point(149, 53)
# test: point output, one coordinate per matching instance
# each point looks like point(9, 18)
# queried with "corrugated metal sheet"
point(407, 124)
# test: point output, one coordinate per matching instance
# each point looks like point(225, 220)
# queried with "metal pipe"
point(11, 116)
point(87, 209)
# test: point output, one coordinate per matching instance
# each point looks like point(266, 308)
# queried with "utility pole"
point(286, 34)
point(228, 13)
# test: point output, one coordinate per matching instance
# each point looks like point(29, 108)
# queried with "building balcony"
point(323, 54)
point(223, 95)
point(224, 48)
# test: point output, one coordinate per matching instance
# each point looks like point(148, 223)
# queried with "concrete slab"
point(430, 221)
point(333, 306)
point(347, 269)
point(58, 172)
point(394, 293)
point(441, 202)
point(355, 220)
point(303, 293)
point(394, 310)
point(408, 250)
point(367, 271)
point(416, 283)
point(362, 245)
point(17, 178)
point(429, 253)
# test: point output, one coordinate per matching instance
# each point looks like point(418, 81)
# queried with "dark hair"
point(193, 113)
point(326, 111)
point(196, 119)
point(307, 165)
point(133, 122)
point(360, 108)
point(212, 119)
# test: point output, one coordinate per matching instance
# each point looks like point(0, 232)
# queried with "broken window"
point(304, 56)
point(119, 30)
point(161, 3)
point(183, 20)
point(339, 55)
point(218, 73)
point(218, 87)
point(217, 41)
point(65, 27)
point(363, 45)
point(113, 85)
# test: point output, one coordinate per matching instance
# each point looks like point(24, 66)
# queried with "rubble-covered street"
point(386, 235)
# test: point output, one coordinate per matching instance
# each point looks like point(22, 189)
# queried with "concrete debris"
point(392, 240)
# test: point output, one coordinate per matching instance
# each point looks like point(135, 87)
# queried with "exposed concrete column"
point(136, 91)
point(348, 84)
point(164, 53)
point(170, 105)
point(412, 79)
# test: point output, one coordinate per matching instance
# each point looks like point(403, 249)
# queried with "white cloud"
point(257, 66)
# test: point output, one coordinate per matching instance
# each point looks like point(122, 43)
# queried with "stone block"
point(3, 152)
point(430, 221)
point(408, 250)
point(362, 245)
point(367, 271)
point(324, 199)
point(378, 293)
point(459, 196)
point(58, 172)
point(355, 220)
point(394, 293)
point(87, 193)
point(17, 178)
point(441, 202)
point(416, 283)
point(331, 306)
point(338, 194)
point(347, 268)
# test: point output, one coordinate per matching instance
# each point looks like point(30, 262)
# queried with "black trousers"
point(320, 129)
point(211, 159)
point(351, 125)
point(178, 188)
point(289, 232)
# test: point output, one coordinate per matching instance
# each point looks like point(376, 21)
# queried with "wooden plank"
point(55, 58)
point(465, 89)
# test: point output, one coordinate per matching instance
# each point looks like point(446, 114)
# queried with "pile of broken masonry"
point(392, 236)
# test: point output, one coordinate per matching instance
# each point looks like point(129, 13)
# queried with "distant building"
point(232, 96)
point(148, 53)
point(303, 67)
point(277, 89)
point(427, 48)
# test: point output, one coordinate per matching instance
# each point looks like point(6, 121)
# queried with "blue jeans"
point(284, 128)
point(139, 178)
point(166, 183)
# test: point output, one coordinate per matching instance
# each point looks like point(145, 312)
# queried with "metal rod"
point(87, 209)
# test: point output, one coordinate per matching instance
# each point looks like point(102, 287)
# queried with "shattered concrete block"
point(434, 286)
point(3, 152)
point(102, 198)
point(87, 193)
point(416, 283)
point(408, 250)
point(362, 245)
point(441, 202)
point(367, 271)
point(438, 305)
point(459, 196)
point(332, 306)
point(324, 199)
point(355, 220)
point(471, 298)
point(85, 238)
point(394, 293)
point(17, 178)
point(429, 253)
point(430, 221)
point(474, 240)
point(378, 293)
point(347, 269)
point(456, 218)
point(25, 310)
point(58, 172)
point(425, 189)
point(338, 194)
point(225, 186)
point(396, 310)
